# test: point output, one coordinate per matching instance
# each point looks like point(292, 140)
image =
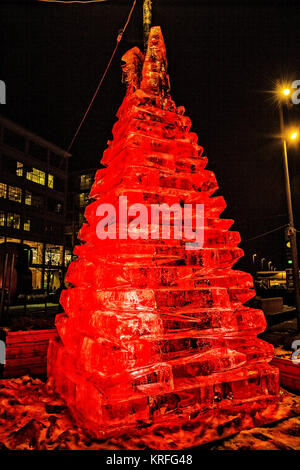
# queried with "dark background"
point(223, 58)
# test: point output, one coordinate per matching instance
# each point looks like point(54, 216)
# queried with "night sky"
point(223, 58)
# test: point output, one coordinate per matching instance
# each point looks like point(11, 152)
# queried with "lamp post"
point(293, 136)
point(269, 265)
point(262, 262)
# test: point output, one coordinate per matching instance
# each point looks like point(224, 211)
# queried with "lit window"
point(13, 240)
point(68, 257)
point(83, 199)
point(15, 193)
point(86, 181)
point(13, 220)
point(19, 171)
point(2, 219)
point(28, 197)
point(26, 225)
point(37, 176)
point(34, 255)
point(36, 278)
point(53, 255)
point(50, 181)
point(3, 188)
point(37, 251)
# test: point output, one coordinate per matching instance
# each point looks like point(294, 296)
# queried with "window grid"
point(26, 225)
point(2, 219)
point(83, 199)
point(3, 190)
point(14, 194)
point(19, 170)
point(36, 176)
point(86, 181)
point(50, 181)
point(28, 198)
point(13, 220)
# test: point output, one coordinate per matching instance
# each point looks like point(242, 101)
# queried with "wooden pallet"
point(26, 352)
point(289, 373)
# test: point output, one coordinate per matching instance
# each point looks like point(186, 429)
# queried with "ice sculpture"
point(153, 333)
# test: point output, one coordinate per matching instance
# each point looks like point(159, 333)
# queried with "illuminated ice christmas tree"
point(152, 332)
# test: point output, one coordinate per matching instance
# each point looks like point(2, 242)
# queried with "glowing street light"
point(293, 135)
point(283, 91)
point(269, 265)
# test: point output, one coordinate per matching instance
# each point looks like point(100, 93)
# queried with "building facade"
point(33, 195)
point(80, 183)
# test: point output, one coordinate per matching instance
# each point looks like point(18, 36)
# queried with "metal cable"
point(119, 37)
point(266, 233)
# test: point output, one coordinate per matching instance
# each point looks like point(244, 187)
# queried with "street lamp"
point(262, 262)
point(269, 265)
point(292, 136)
point(283, 90)
point(253, 257)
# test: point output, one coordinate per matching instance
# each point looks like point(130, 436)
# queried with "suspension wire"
point(267, 233)
point(119, 37)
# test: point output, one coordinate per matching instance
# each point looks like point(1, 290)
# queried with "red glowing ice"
point(153, 332)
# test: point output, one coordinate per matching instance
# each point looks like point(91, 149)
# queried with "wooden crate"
point(26, 352)
point(289, 373)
